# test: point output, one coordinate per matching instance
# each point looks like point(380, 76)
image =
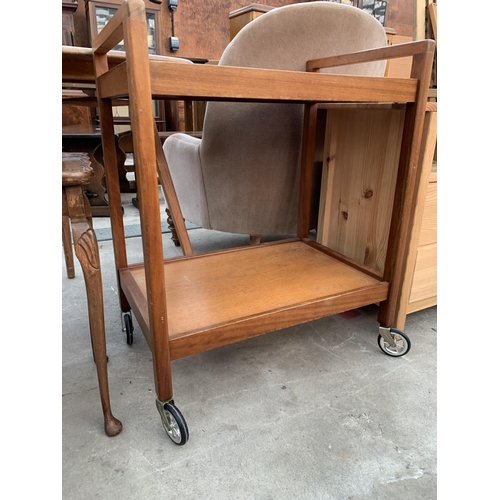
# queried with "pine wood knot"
point(368, 193)
point(367, 254)
point(345, 215)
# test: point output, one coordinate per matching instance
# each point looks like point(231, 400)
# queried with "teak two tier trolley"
point(244, 292)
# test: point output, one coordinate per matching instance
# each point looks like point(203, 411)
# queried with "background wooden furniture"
point(420, 289)
point(241, 17)
point(87, 139)
point(420, 268)
point(425, 27)
point(98, 14)
point(81, 133)
point(77, 172)
point(203, 29)
point(376, 9)
point(398, 68)
point(356, 202)
point(68, 26)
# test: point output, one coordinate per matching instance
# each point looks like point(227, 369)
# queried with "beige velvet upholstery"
point(242, 176)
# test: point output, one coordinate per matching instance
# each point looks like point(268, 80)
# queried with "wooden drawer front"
point(424, 287)
point(428, 233)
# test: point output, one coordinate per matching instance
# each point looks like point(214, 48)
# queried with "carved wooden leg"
point(76, 172)
point(171, 226)
point(68, 248)
point(87, 252)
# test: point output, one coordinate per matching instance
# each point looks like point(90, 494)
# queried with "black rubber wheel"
point(129, 328)
point(402, 347)
point(174, 424)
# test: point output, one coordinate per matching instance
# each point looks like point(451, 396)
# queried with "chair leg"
point(87, 252)
point(171, 226)
point(255, 239)
point(68, 247)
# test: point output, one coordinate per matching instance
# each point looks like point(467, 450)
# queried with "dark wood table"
point(87, 139)
point(78, 78)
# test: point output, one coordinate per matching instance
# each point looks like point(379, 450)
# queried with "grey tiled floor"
point(314, 411)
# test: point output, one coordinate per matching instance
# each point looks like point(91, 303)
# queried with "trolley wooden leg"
point(129, 24)
point(405, 199)
point(306, 169)
point(114, 193)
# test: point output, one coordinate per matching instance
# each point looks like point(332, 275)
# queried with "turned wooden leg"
point(87, 252)
point(67, 247)
point(171, 226)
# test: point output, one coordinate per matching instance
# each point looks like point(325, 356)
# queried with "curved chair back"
point(250, 152)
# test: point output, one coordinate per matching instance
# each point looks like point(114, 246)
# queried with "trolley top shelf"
point(177, 78)
point(171, 79)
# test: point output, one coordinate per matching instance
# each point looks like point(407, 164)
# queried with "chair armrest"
point(371, 55)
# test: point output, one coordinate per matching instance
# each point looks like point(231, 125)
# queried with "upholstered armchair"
point(242, 176)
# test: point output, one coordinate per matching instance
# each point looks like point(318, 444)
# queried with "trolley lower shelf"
point(222, 297)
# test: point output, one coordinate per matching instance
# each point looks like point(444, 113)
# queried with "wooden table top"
point(78, 67)
point(76, 169)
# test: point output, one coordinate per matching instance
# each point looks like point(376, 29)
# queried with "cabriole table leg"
point(76, 171)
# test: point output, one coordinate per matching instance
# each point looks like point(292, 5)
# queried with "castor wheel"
point(393, 342)
point(128, 328)
point(173, 422)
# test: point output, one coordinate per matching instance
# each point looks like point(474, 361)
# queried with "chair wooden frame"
point(292, 279)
